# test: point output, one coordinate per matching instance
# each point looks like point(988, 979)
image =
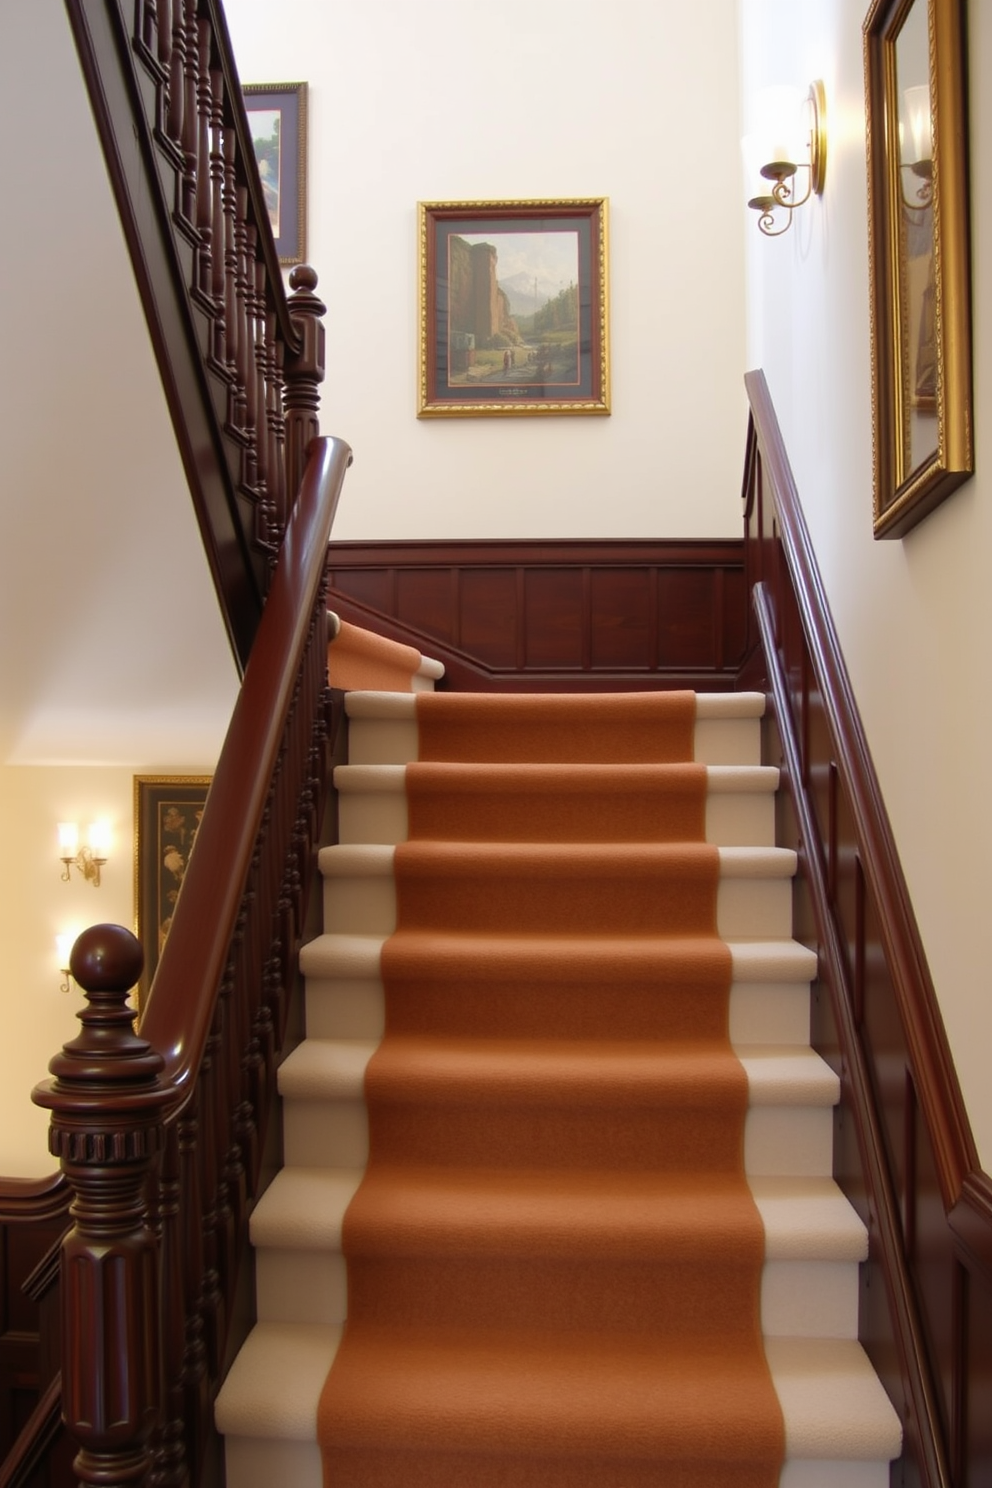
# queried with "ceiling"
point(112, 648)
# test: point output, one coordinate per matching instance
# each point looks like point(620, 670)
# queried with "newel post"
point(304, 373)
point(107, 1102)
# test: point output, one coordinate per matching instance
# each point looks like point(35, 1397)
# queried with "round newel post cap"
point(303, 277)
point(106, 958)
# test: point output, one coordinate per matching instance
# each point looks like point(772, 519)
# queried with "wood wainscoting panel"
point(548, 614)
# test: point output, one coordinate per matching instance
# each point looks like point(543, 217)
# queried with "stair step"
point(813, 1238)
point(754, 897)
point(372, 801)
point(383, 728)
point(840, 1429)
point(788, 1127)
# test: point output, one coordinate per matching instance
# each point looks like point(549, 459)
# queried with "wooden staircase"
point(839, 1427)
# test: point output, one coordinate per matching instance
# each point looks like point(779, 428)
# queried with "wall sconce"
point(917, 123)
point(88, 858)
point(791, 137)
point(64, 944)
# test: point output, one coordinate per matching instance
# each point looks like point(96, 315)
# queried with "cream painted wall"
point(35, 906)
point(914, 616)
point(455, 99)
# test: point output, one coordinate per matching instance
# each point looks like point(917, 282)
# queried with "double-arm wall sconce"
point(88, 857)
point(791, 138)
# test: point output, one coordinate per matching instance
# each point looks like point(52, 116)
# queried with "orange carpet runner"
point(554, 1260)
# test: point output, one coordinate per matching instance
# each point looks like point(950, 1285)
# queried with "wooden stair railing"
point(161, 1133)
point(904, 1151)
point(240, 364)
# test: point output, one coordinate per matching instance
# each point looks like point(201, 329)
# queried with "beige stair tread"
point(709, 705)
point(804, 1218)
point(326, 1069)
point(832, 1401)
point(785, 1075)
point(274, 1384)
point(833, 1404)
point(720, 779)
point(340, 955)
point(375, 860)
point(303, 1208)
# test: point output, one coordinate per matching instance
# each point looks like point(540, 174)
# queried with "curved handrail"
point(179, 1010)
point(25, 1199)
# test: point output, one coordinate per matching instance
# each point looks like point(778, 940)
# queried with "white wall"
point(461, 100)
point(914, 616)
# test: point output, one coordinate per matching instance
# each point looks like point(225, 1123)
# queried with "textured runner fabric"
point(554, 1259)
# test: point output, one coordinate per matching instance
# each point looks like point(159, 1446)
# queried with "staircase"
point(840, 1430)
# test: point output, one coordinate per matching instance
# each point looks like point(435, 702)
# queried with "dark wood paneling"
point(542, 614)
point(904, 1152)
point(32, 1219)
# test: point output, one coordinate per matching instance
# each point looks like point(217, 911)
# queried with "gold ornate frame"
point(490, 349)
point(918, 257)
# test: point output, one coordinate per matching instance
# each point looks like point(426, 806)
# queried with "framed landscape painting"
point(167, 812)
point(277, 117)
point(514, 312)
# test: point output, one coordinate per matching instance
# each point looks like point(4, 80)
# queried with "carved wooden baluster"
point(251, 366)
point(241, 303)
point(146, 26)
point(177, 74)
point(211, 1302)
point(277, 424)
point(195, 1379)
point(304, 372)
point(204, 178)
point(265, 518)
point(163, 48)
point(218, 286)
point(171, 1464)
point(231, 273)
point(190, 123)
point(107, 1103)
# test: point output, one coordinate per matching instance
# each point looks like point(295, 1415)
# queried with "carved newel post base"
point(107, 1102)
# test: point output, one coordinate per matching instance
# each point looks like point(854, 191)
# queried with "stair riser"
point(759, 909)
point(763, 1013)
point(799, 1299)
point(732, 820)
point(253, 1462)
point(778, 1140)
point(394, 741)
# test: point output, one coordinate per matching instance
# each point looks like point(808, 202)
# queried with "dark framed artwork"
point(514, 308)
point(277, 117)
point(167, 812)
point(919, 256)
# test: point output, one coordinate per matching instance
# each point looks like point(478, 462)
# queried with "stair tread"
point(274, 1384)
point(334, 1069)
point(804, 1219)
point(338, 954)
point(720, 779)
point(832, 1403)
point(375, 860)
point(709, 705)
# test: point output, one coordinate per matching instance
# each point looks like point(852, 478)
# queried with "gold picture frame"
point(167, 811)
point(514, 308)
point(919, 257)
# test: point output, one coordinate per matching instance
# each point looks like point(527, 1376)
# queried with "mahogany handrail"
point(176, 1020)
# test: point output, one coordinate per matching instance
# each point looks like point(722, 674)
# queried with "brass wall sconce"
point(88, 858)
point(791, 128)
point(64, 944)
point(916, 151)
